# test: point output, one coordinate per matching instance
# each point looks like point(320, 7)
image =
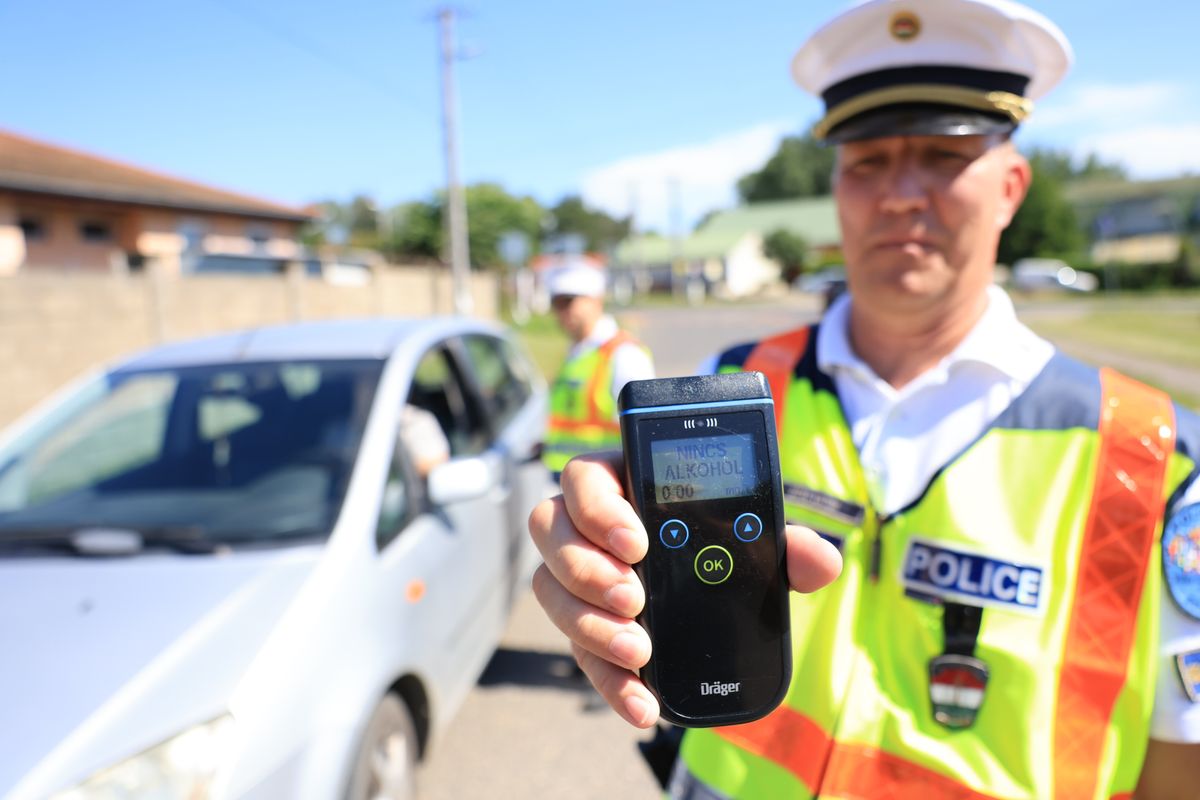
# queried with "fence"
point(56, 326)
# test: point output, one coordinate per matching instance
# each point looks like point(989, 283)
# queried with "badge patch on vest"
point(956, 686)
point(1181, 558)
point(1188, 665)
point(934, 572)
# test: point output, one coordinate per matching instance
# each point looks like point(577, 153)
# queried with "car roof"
point(367, 338)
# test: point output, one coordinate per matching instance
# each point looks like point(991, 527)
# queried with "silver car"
point(221, 575)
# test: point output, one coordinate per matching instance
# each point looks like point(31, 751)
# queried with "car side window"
point(499, 375)
point(438, 387)
point(399, 501)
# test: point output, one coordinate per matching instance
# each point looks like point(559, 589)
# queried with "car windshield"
point(239, 453)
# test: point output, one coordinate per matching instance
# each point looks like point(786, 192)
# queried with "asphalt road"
point(533, 727)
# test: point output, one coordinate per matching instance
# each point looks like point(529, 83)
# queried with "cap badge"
point(904, 26)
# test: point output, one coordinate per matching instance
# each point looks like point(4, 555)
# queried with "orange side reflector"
point(415, 591)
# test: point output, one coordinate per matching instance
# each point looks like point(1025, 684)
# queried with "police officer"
point(602, 359)
point(1018, 535)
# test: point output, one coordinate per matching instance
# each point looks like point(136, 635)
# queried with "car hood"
point(104, 658)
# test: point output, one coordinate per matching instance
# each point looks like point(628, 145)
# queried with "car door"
point(441, 386)
point(515, 406)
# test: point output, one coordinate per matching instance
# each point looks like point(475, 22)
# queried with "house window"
point(93, 231)
point(33, 228)
point(259, 235)
point(193, 232)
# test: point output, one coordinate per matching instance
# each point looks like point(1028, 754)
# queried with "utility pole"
point(456, 207)
point(679, 277)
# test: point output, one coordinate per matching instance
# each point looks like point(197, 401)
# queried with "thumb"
point(812, 562)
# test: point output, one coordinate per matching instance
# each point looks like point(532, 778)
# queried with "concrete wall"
point(54, 327)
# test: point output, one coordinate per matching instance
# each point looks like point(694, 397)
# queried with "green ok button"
point(714, 564)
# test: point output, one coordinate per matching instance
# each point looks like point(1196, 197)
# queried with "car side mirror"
point(459, 479)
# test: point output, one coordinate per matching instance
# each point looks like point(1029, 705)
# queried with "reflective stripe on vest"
point(1137, 432)
point(775, 358)
point(1099, 630)
point(583, 419)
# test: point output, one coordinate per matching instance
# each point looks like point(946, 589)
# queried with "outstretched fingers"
point(620, 688)
point(609, 636)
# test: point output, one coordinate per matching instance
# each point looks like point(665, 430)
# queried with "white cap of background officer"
point(930, 67)
point(575, 278)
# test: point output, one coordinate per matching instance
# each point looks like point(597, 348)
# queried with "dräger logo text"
point(930, 569)
point(717, 687)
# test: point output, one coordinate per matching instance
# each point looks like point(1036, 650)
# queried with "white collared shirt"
point(904, 436)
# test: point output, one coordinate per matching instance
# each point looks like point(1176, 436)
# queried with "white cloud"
point(1106, 105)
point(700, 176)
point(1150, 151)
point(1137, 125)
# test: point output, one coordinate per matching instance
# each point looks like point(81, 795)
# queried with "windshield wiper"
point(96, 540)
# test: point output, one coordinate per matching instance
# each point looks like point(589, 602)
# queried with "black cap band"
point(985, 80)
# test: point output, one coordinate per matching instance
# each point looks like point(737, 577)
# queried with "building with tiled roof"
point(61, 208)
point(726, 251)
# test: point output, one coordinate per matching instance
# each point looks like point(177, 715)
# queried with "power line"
point(315, 50)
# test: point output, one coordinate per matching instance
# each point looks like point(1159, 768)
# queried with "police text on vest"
point(933, 569)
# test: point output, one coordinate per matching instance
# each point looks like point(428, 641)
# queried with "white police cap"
point(575, 277)
point(957, 67)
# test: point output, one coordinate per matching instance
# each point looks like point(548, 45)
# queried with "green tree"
point(601, 232)
point(418, 230)
point(491, 211)
point(800, 167)
point(415, 231)
point(1045, 224)
point(1062, 166)
point(789, 249)
point(361, 219)
point(1187, 263)
point(355, 223)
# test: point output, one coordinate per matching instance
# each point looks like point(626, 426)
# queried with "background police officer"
point(602, 359)
point(925, 430)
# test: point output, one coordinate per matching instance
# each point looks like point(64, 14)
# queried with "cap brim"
point(918, 119)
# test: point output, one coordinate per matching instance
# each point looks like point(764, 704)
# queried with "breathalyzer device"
point(702, 472)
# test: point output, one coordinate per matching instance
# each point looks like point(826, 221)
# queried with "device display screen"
point(703, 468)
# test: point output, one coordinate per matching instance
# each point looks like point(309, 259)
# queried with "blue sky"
point(301, 100)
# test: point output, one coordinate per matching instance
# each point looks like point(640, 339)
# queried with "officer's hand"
point(588, 536)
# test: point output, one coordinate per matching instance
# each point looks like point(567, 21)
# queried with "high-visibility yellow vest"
point(583, 413)
point(1066, 488)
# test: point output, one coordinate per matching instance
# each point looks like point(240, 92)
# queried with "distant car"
point(221, 576)
point(1039, 274)
point(818, 282)
point(829, 282)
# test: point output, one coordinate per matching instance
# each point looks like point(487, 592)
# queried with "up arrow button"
point(747, 527)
